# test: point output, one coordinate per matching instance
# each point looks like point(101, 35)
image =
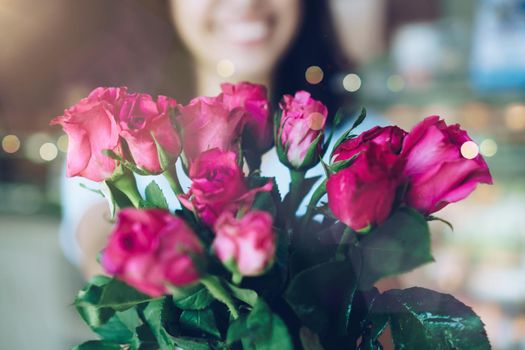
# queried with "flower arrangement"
point(236, 266)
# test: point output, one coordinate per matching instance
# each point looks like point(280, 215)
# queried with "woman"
point(269, 42)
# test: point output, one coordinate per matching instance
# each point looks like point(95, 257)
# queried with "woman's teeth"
point(246, 31)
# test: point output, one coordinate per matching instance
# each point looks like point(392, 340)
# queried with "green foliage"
point(154, 196)
point(322, 295)
point(261, 329)
point(199, 298)
point(400, 244)
point(202, 321)
point(107, 306)
point(423, 319)
point(346, 135)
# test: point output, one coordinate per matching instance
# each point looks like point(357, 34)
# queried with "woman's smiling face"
point(250, 34)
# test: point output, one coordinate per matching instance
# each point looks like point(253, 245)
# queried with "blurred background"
point(463, 60)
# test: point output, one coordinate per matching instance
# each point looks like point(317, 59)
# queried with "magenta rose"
point(207, 123)
point(301, 128)
point(152, 249)
point(246, 245)
point(390, 137)
point(252, 98)
point(218, 185)
point(143, 121)
point(92, 127)
point(438, 173)
point(362, 195)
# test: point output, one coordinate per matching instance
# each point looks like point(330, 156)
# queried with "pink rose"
point(362, 195)
point(143, 121)
point(92, 127)
point(218, 185)
point(438, 173)
point(207, 123)
point(151, 249)
point(246, 245)
point(302, 124)
point(390, 137)
point(252, 98)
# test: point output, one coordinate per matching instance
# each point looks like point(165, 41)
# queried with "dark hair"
point(314, 45)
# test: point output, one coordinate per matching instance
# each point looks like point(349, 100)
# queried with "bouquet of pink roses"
point(236, 266)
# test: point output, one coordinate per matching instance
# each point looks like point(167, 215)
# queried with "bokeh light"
point(352, 82)
point(315, 121)
point(395, 83)
point(314, 75)
point(62, 143)
point(33, 144)
point(48, 151)
point(225, 68)
point(469, 150)
point(10, 143)
point(488, 147)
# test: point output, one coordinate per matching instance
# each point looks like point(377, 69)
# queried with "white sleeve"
point(76, 199)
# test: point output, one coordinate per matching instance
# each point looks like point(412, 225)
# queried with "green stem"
point(316, 197)
point(173, 181)
point(345, 238)
point(297, 177)
point(214, 286)
point(236, 279)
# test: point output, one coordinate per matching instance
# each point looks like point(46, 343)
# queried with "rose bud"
point(152, 249)
point(362, 195)
point(439, 174)
point(301, 130)
point(144, 121)
point(218, 185)
point(390, 137)
point(253, 98)
point(92, 127)
point(206, 123)
point(245, 246)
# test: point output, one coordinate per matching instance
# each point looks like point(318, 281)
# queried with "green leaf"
point(201, 321)
point(155, 196)
point(319, 192)
point(246, 295)
point(106, 305)
point(343, 164)
point(360, 118)
point(164, 158)
point(346, 135)
point(98, 345)
point(322, 295)
point(313, 154)
point(156, 314)
point(425, 319)
point(400, 244)
point(435, 218)
point(374, 323)
point(105, 292)
point(197, 300)
point(123, 188)
point(260, 330)
point(192, 343)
